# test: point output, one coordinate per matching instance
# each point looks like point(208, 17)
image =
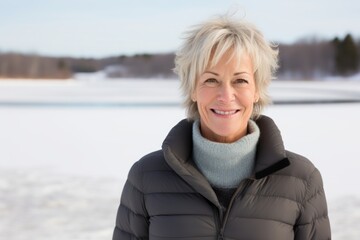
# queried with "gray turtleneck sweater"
point(225, 165)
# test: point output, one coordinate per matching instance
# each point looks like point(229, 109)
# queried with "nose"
point(226, 93)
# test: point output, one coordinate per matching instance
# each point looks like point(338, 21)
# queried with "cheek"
point(247, 97)
point(203, 101)
point(204, 96)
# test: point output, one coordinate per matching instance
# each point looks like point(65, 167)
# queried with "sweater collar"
point(225, 164)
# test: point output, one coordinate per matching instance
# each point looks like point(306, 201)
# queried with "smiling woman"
point(224, 173)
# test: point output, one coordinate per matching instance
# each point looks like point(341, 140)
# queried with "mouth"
point(225, 113)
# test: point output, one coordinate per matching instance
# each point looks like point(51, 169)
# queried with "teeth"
point(224, 112)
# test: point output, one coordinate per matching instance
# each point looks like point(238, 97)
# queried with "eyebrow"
point(216, 74)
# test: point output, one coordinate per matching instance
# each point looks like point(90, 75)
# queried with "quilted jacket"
point(166, 197)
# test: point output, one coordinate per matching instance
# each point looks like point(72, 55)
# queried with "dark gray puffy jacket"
point(166, 197)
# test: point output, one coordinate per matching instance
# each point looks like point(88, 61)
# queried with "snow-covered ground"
point(66, 148)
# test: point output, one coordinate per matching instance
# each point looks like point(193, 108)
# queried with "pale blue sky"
point(99, 28)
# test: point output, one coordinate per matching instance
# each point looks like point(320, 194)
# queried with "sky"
point(102, 28)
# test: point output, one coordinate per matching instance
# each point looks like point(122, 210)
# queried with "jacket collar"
point(271, 154)
point(177, 148)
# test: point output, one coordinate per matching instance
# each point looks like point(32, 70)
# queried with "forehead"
point(231, 60)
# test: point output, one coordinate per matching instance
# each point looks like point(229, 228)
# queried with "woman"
point(223, 173)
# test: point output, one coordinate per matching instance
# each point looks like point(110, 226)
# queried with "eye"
point(241, 81)
point(212, 82)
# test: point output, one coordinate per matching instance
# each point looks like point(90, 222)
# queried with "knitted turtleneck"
point(225, 165)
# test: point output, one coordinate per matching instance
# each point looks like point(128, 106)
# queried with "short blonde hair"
point(209, 41)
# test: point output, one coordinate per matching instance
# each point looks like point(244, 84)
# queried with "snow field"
point(62, 167)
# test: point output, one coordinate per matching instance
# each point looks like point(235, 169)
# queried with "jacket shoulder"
point(153, 161)
point(300, 166)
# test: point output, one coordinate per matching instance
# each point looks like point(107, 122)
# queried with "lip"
point(224, 113)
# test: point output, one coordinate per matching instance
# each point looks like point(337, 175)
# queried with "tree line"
point(306, 59)
point(313, 58)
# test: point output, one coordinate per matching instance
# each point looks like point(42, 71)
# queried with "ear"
point(256, 97)
point(193, 96)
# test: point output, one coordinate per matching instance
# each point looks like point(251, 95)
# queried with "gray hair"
point(209, 41)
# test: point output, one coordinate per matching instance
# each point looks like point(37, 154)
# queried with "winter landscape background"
point(67, 146)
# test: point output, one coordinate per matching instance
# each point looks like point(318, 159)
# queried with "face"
point(225, 95)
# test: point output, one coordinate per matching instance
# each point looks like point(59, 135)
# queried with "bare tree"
point(308, 59)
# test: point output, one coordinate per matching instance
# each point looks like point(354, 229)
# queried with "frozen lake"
point(66, 148)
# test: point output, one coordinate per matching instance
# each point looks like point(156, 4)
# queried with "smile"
point(224, 113)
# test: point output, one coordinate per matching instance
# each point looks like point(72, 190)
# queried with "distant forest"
point(306, 59)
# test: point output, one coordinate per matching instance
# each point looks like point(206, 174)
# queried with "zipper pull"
point(220, 236)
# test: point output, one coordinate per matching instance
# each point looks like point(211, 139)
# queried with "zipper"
point(248, 182)
point(218, 216)
point(239, 192)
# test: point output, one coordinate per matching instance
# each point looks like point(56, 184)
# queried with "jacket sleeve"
point(132, 218)
point(313, 222)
